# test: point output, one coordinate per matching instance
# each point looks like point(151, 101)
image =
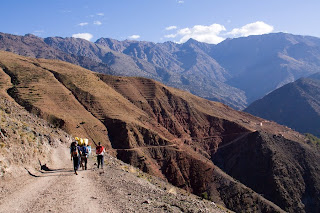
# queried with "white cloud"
point(97, 23)
point(256, 28)
point(207, 34)
point(214, 34)
point(83, 24)
point(171, 28)
point(134, 37)
point(86, 36)
point(100, 14)
point(180, 2)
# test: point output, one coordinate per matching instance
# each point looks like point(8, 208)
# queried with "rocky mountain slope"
point(25, 186)
point(226, 72)
point(163, 131)
point(296, 105)
point(25, 140)
point(36, 47)
point(186, 66)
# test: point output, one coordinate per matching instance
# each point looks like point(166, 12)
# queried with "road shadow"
point(31, 173)
point(51, 172)
point(44, 169)
point(48, 172)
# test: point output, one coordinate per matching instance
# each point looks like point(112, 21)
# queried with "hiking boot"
point(76, 172)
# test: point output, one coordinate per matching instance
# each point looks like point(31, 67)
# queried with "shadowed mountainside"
point(268, 160)
point(164, 131)
point(296, 105)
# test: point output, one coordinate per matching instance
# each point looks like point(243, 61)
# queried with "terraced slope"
point(41, 93)
point(164, 131)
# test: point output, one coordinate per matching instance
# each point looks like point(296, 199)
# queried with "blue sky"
point(209, 21)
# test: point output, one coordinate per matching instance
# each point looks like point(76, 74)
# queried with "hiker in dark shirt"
point(100, 155)
point(75, 156)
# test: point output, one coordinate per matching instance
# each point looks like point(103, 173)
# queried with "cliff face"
point(164, 131)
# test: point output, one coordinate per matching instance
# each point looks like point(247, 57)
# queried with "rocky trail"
point(118, 187)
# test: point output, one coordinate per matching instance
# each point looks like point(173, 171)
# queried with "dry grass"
point(43, 91)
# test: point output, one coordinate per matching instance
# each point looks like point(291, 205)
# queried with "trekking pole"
point(94, 143)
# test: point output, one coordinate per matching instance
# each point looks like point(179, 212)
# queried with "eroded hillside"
point(164, 131)
point(26, 141)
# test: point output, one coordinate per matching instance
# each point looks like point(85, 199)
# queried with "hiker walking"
point(75, 156)
point(84, 156)
point(100, 154)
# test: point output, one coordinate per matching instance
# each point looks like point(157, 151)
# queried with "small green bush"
point(313, 139)
point(205, 195)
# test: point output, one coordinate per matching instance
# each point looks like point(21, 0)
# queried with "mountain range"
point(235, 72)
point(240, 161)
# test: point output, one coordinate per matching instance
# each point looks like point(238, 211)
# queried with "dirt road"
point(58, 190)
point(117, 188)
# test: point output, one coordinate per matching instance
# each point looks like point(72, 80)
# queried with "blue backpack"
point(84, 151)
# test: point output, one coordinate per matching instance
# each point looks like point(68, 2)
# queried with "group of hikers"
point(80, 152)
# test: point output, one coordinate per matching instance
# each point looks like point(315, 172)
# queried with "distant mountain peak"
point(192, 41)
point(30, 35)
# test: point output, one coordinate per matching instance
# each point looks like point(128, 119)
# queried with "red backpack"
point(99, 150)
